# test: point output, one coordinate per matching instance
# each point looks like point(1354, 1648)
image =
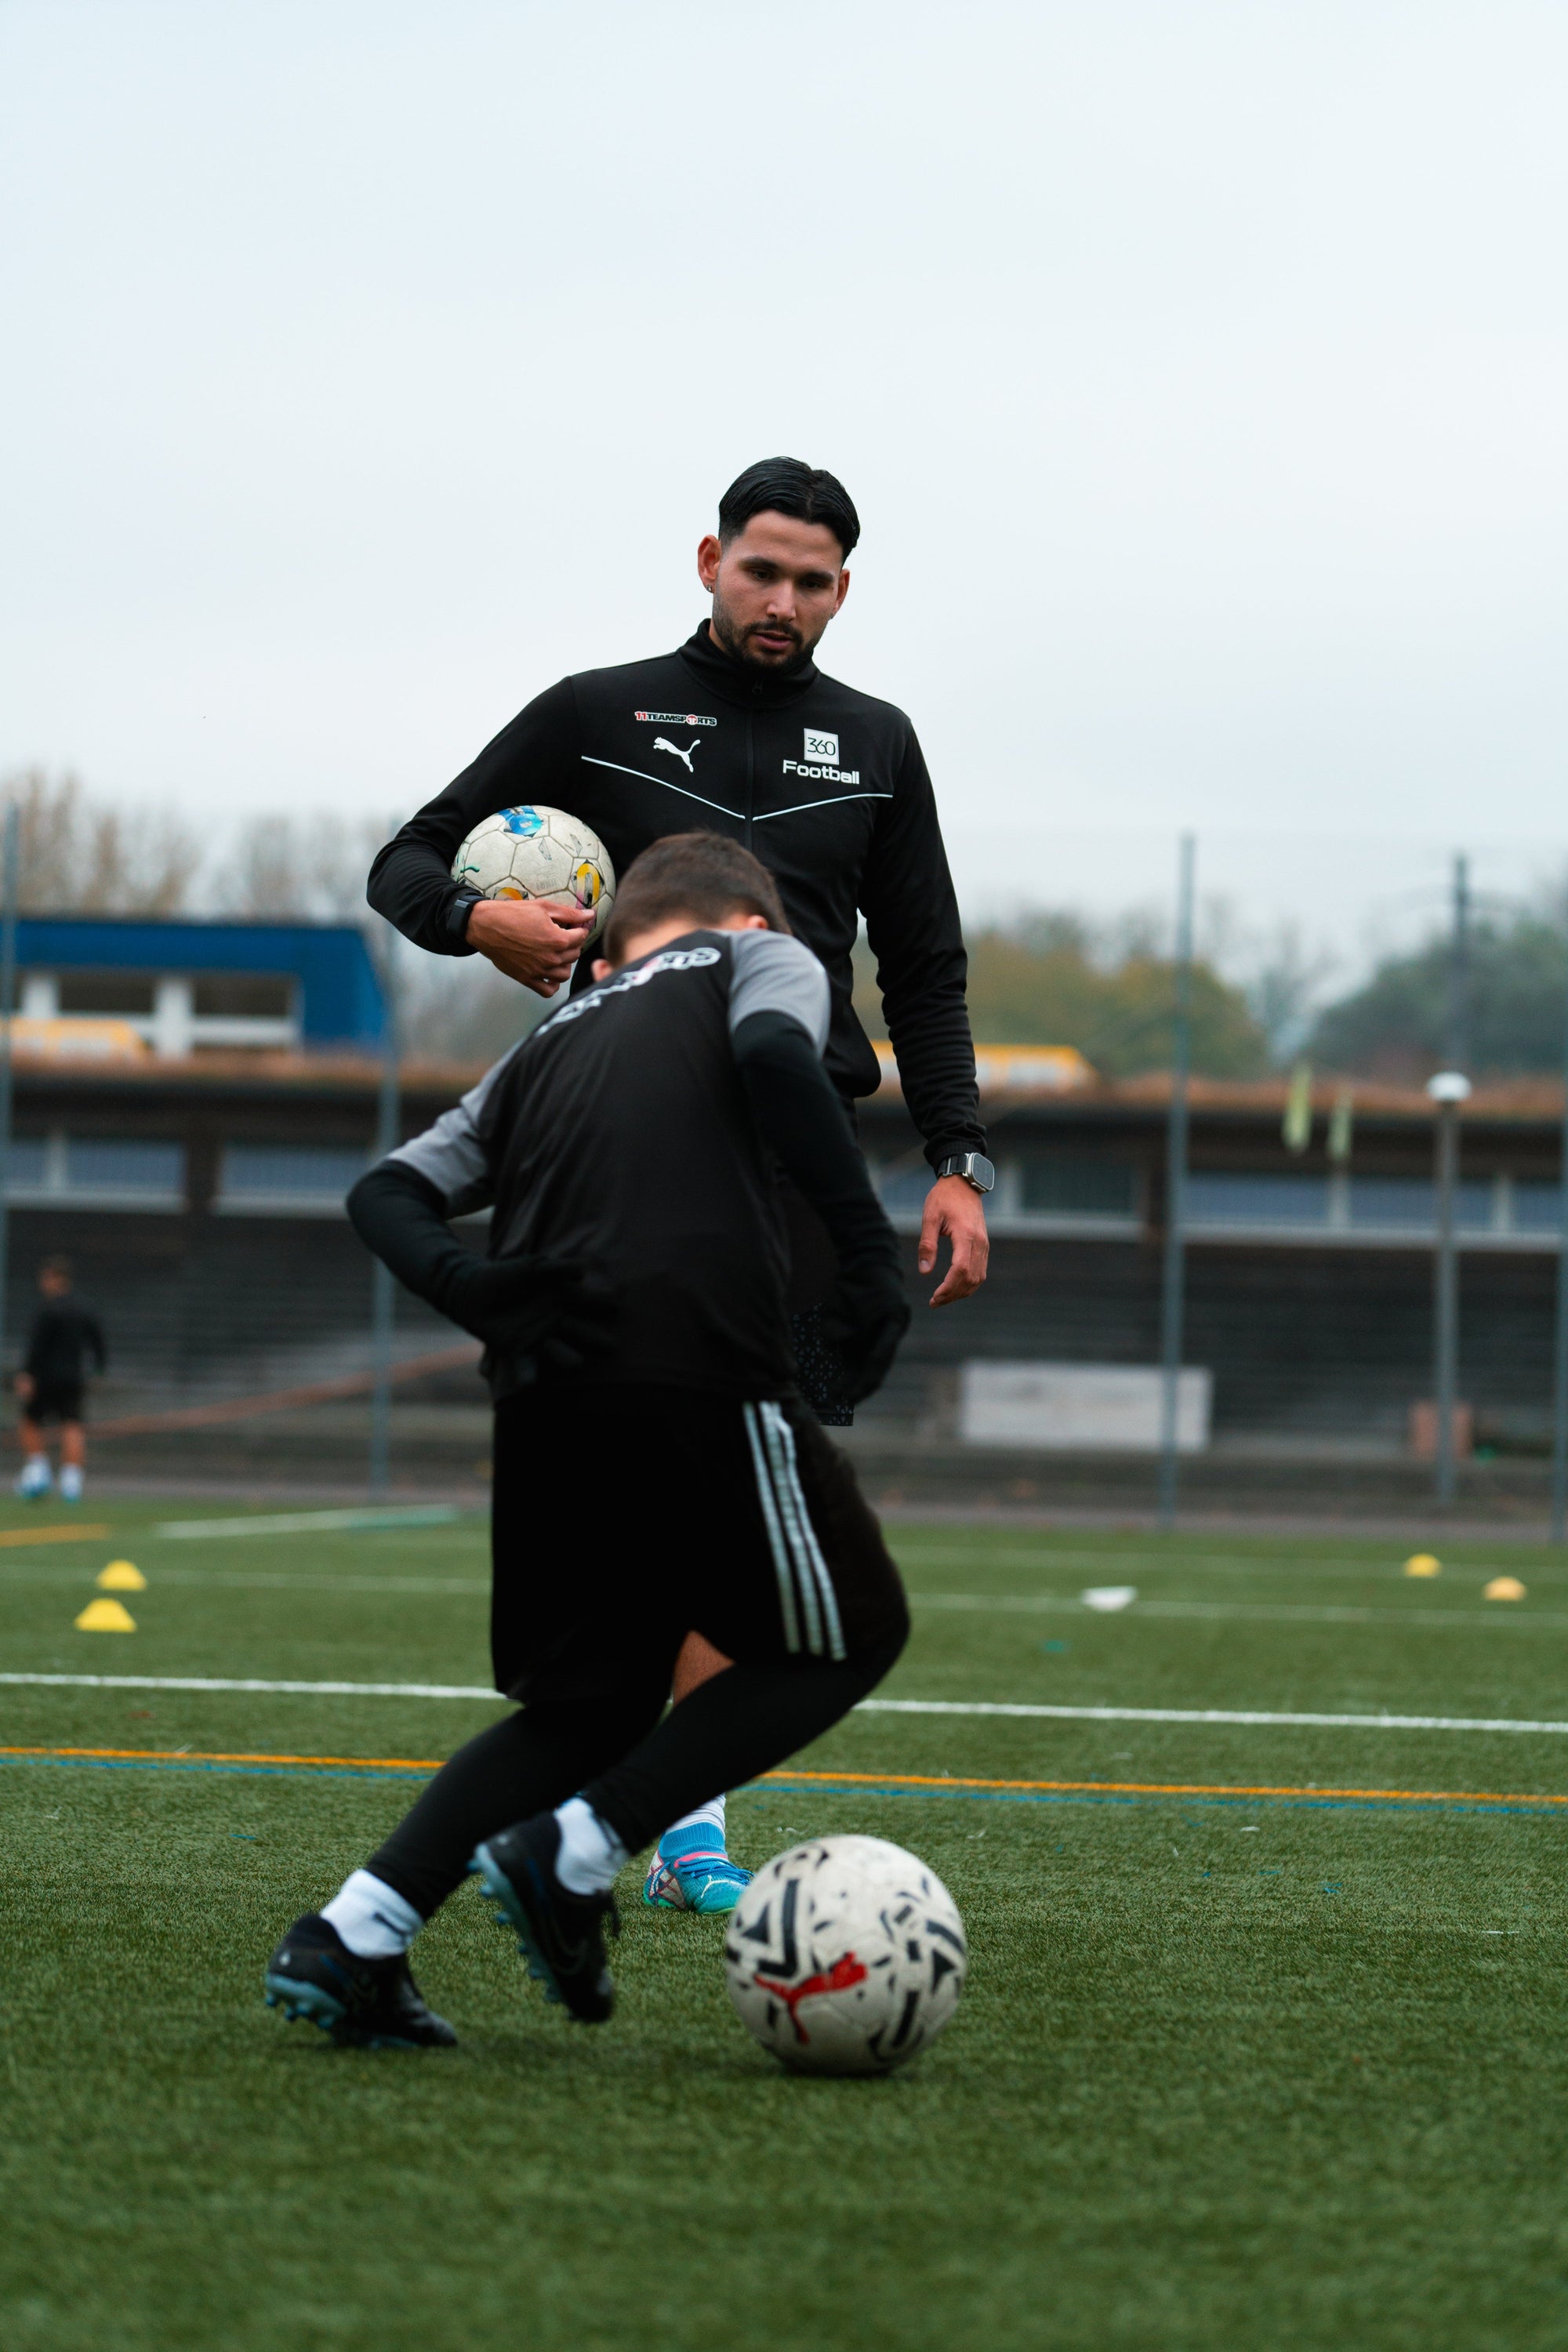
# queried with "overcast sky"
point(1198, 371)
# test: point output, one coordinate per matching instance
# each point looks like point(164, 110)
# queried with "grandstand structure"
point(174, 987)
point(1309, 1278)
point(196, 1176)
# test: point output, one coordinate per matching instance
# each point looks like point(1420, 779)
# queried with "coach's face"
point(775, 588)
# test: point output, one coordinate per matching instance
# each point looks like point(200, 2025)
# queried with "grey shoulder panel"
point(454, 1154)
point(772, 972)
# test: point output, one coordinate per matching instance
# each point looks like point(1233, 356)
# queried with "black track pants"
point(640, 1773)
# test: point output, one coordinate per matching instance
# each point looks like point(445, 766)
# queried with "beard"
point(737, 640)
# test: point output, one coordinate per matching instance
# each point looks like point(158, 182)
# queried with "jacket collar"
point(750, 686)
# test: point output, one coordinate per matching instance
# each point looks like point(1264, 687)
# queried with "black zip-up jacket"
point(828, 787)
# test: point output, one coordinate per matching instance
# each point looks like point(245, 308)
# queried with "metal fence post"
point(9, 890)
point(1559, 1336)
point(1172, 1299)
point(383, 1291)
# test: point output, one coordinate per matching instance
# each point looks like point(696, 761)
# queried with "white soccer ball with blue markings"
point(845, 1956)
point(539, 853)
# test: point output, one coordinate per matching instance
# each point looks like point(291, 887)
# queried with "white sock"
point(591, 1853)
point(708, 1827)
point(374, 1920)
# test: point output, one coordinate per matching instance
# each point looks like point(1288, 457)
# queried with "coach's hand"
point(533, 940)
point(866, 1315)
point(551, 1310)
point(956, 1209)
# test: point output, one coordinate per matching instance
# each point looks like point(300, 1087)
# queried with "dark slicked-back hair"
point(786, 486)
point(698, 874)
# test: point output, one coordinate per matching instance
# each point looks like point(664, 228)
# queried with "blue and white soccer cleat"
point(36, 1480)
point(705, 1880)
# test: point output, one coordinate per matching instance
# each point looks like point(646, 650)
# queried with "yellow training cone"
point(1504, 1588)
point(121, 1576)
point(106, 1617)
point(1420, 1563)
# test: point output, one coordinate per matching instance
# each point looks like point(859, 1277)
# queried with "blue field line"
point(1087, 1797)
point(827, 1788)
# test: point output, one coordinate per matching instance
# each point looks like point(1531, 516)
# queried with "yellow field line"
point(210, 1756)
point(869, 1779)
point(1170, 1788)
point(24, 1536)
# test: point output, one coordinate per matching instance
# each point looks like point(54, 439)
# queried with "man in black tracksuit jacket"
point(826, 786)
point(737, 733)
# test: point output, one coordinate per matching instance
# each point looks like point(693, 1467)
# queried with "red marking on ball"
point(839, 1978)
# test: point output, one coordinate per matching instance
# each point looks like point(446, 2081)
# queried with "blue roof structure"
point(342, 1001)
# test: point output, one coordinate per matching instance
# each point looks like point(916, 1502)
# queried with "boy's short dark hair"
point(698, 874)
point(786, 486)
point(59, 1266)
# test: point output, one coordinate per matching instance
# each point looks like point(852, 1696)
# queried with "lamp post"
point(1448, 1089)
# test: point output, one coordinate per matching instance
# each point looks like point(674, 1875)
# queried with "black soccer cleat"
point(560, 1935)
point(363, 2004)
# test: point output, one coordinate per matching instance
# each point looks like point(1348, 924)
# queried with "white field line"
point(1024, 1604)
point(1260, 1612)
point(1028, 1604)
point(263, 1579)
point(1250, 1715)
point(949, 1554)
point(226, 1683)
point(313, 1523)
point(1202, 1715)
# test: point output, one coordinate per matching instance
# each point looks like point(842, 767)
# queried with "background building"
point(200, 1192)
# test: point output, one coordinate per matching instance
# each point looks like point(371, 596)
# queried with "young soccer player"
point(655, 1472)
point(50, 1384)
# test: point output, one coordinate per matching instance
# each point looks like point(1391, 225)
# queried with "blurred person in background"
point(51, 1381)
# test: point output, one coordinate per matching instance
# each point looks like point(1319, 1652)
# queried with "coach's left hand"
point(956, 1209)
point(533, 940)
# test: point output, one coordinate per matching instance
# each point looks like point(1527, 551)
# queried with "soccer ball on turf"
point(846, 1956)
point(539, 853)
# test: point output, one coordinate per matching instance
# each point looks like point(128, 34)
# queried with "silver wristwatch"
point(973, 1166)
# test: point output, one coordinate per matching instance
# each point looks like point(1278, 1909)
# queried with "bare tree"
point(451, 1008)
point(461, 1009)
point(286, 866)
point(86, 855)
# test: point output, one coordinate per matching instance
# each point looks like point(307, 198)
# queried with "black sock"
point(639, 1774)
point(743, 1722)
point(528, 1763)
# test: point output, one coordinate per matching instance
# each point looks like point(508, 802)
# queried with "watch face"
point(981, 1172)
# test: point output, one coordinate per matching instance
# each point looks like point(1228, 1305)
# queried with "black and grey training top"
point(64, 1333)
point(828, 787)
point(618, 1134)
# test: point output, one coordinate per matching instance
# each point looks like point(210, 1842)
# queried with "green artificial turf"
point(1230, 2071)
